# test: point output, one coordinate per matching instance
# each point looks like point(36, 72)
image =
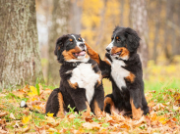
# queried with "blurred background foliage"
point(157, 22)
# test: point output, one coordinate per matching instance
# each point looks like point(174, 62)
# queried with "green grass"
point(160, 86)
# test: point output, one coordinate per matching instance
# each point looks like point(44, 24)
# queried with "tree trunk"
point(166, 34)
point(138, 20)
point(59, 26)
point(75, 15)
point(102, 26)
point(178, 24)
point(121, 12)
point(19, 57)
point(156, 34)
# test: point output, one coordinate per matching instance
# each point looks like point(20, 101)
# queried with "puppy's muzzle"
point(108, 49)
point(82, 46)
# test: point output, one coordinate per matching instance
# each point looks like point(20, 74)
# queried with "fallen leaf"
point(26, 119)
point(162, 119)
point(3, 114)
point(50, 114)
point(88, 119)
point(33, 92)
point(91, 125)
point(12, 116)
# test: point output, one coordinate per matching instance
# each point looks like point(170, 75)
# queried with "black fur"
point(76, 98)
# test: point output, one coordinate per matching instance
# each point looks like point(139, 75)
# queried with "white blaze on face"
point(111, 44)
point(79, 42)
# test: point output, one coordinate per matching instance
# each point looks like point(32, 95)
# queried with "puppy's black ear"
point(132, 39)
point(60, 47)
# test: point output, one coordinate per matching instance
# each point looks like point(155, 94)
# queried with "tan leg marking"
point(136, 113)
point(61, 103)
point(73, 85)
point(100, 79)
point(131, 77)
point(94, 55)
point(97, 110)
point(108, 100)
point(87, 112)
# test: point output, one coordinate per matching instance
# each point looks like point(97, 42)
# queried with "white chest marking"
point(118, 73)
point(86, 78)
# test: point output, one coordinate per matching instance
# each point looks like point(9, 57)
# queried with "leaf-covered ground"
point(164, 115)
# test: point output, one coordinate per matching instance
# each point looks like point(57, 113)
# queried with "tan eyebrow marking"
point(70, 39)
point(79, 39)
point(117, 37)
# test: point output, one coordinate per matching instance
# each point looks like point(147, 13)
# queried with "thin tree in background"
point(75, 14)
point(58, 27)
point(102, 26)
point(178, 25)
point(157, 28)
point(138, 18)
point(166, 34)
point(19, 56)
point(121, 12)
point(172, 32)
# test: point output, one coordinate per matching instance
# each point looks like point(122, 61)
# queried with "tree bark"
point(19, 56)
point(102, 26)
point(75, 15)
point(58, 27)
point(121, 12)
point(156, 34)
point(166, 34)
point(138, 14)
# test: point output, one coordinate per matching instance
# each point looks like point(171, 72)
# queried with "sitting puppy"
point(123, 67)
point(80, 85)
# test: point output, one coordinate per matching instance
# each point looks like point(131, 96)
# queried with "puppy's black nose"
point(108, 49)
point(82, 45)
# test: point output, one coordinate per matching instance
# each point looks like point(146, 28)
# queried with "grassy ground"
point(162, 93)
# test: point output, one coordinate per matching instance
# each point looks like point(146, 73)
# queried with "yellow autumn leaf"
point(162, 120)
point(33, 92)
point(33, 98)
point(26, 119)
point(50, 114)
point(36, 107)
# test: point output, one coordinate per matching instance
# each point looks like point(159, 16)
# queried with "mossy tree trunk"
point(19, 57)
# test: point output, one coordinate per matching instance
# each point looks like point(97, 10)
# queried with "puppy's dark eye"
point(118, 40)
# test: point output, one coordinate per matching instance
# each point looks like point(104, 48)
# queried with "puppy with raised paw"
point(123, 67)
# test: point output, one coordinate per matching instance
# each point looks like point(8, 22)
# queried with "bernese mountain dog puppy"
point(81, 80)
point(122, 65)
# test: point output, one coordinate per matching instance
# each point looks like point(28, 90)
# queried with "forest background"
point(31, 28)
point(156, 21)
